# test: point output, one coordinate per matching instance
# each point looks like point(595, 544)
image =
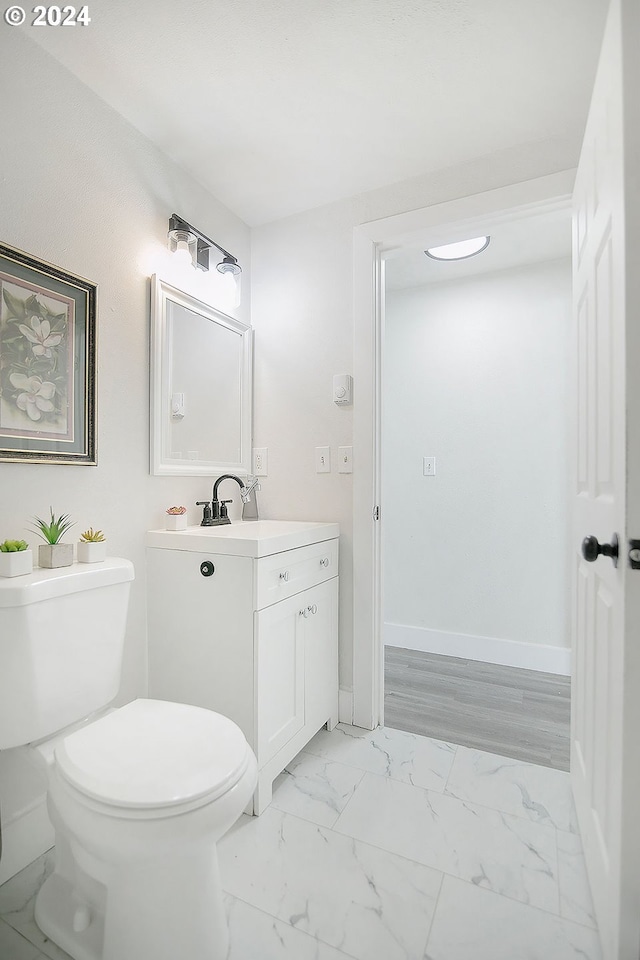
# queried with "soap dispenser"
point(250, 500)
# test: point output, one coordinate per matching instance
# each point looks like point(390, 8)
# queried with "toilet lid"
point(153, 753)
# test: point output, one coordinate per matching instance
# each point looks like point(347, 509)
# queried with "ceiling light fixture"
point(460, 250)
point(187, 240)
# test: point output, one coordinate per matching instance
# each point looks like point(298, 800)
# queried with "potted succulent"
point(53, 553)
point(15, 558)
point(176, 518)
point(92, 546)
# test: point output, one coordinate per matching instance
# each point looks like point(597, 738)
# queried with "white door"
point(605, 723)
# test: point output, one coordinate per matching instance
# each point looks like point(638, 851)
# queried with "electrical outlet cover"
point(260, 461)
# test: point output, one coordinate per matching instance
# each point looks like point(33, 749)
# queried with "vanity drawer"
point(283, 574)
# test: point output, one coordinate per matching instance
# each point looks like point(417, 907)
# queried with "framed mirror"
point(200, 387)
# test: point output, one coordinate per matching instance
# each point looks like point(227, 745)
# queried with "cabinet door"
point(321, 653)
point(279, 680)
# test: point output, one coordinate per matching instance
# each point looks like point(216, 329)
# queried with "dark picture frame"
point(47, 362)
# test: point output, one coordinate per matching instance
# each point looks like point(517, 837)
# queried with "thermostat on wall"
point(342, 384)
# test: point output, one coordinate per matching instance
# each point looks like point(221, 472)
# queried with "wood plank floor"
point(515, 713)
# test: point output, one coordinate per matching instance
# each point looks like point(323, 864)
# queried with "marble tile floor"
point(385, 845)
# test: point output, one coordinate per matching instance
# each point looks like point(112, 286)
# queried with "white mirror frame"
point(161, 464)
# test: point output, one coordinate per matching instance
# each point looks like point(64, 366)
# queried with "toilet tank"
point(61, 641)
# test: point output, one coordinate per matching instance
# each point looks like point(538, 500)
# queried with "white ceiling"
point(278, 106)
point(517, 243)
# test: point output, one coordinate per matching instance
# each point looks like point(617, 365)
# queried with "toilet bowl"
point(138, 800)
point(138, 796)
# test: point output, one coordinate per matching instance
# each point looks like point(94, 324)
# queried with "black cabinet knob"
point(591, 549)
point(207, 569)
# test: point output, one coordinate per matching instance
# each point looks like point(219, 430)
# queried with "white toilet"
point(138, 796)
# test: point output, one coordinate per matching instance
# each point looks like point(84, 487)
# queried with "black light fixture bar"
point(204, 245)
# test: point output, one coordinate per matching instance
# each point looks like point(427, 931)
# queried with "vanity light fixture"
point(460, 250)
point(185, 239)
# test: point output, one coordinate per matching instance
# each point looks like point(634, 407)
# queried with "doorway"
point(474, 485)
point(373, 242)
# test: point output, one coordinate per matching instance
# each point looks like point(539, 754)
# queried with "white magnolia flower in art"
point(40, 337)
point(36, 396)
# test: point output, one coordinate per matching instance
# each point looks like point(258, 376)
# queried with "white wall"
point(302, 307)
point(475, 374)
point(82, 189)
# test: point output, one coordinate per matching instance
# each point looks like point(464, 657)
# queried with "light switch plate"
point(345, 459)
point(429, 466)
point(323, 460)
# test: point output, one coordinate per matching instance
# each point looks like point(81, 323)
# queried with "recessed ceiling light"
point(460, 250)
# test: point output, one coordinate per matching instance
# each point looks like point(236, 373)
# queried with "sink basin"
point(252, 538)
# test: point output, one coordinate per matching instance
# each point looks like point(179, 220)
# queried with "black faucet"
point(216, 515)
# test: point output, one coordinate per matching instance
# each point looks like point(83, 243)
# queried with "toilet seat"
point(154, 755)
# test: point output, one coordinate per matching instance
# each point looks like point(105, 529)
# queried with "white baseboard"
point(345, 706)
point(509, 653)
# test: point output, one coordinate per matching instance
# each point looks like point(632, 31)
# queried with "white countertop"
point(252, 538)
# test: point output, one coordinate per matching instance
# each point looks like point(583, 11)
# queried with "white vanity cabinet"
point(248, 632)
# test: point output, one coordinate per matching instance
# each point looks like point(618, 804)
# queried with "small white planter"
point(55, 555)
point(16, 564)
point(92, 552)
point(176, 521)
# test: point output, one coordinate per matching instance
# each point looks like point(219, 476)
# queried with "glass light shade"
point(184, 246)
point(182, 256)
point(224, 290)
point(459, 250)
point(228, 265)
point(237, 289)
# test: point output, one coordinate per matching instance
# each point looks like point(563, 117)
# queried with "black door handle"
point(591, 549)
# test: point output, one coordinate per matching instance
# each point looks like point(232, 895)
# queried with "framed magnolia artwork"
point(47, 362)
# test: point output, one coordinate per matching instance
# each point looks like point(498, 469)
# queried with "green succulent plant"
point(53, 530)
point(13, 546)
point(92, 536)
